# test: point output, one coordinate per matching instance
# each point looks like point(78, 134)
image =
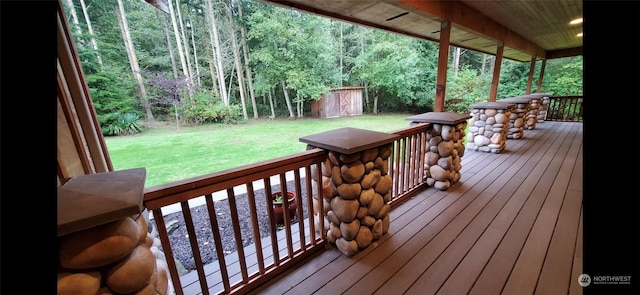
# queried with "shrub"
point(205, 108)
point(120, 124)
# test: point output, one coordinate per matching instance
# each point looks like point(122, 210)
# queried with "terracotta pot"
point(278, 207)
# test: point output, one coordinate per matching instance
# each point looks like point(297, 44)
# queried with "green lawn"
point(170, 154)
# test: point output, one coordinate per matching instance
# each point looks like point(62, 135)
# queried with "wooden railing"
point(565, 108)
point(269, 256)
point(407, 163)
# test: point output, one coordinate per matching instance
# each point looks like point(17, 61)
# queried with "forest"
point(204, 61)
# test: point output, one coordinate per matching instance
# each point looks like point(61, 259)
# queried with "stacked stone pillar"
point(519, 116)
point(356, 185)
point(489, 126)
point(446, 147)
point(543, 102)
point(104, 242)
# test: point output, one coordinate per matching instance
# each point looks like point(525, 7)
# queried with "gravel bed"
point(179, 237)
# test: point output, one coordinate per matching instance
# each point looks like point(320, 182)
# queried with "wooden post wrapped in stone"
point(443, 158)
point(543, 105)
point(488, 126)
point(356, 186)
point(104, 241)
point(519, 116)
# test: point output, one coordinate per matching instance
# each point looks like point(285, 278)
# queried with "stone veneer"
point(489, 126)
point(446, 147)
point(356, 186)
point(543, 102)
point(520, 114)
point(105, 245)
point(120, 257)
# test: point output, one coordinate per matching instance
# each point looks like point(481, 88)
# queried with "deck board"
point(513, 224)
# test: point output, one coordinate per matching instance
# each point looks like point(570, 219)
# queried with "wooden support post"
point(443, 58)
point(532, 68)
point(493, 93)
point(541, 76)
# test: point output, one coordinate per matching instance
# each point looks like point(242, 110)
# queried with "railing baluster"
point(166, 247)
point(285, 212)
point(217, 240)
point(256, 227)
point(195, 249)
point(231, 196)
point(272, 223)
point(300, 211)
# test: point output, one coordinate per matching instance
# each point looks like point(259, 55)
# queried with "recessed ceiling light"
point(576, 21)
point(579, 35)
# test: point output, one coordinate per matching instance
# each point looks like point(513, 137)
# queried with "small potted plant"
point(278, 212)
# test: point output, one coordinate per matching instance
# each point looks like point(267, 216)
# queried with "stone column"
point(104, 242)
point(446, 148)
point(543, 102)
point(489, 126)
point(356, 185)
point(519, 116)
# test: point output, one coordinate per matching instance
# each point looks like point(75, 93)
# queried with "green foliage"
point(513, 79)
point(464, 89)
point(205, 108)
point(120, 124)
point(396, 64)
point(110, 92)
point(563, 76)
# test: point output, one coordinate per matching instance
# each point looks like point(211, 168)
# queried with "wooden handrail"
point(406, 166)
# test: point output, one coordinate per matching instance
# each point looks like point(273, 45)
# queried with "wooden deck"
point(512, 225)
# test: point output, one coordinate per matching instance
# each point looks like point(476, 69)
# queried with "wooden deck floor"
point(512, 225)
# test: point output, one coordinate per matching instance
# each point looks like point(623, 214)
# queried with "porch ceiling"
point(526, 27)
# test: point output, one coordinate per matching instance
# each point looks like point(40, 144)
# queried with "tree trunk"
point(195, 51)
point(236, 58)
point(273, 112)
point(287, 99)
point(174, 67)
point(456, 60)
point(133, 60)
point(247, 68)
point(341, 54)
point(185, 44)
point(375, 102)
point(174, 23)
point(213, 32)
point(213, 73)
point(94, 43)
point(74, 17)
point(484, 64)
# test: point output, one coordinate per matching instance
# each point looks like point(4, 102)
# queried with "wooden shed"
point(342, 101)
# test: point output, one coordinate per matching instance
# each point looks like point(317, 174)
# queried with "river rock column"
point(356, 185)
point(518, 117)
point(105, 245)
point(446, 147)
point(543, 100)
point(488, 126)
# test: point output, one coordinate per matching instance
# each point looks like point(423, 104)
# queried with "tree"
point(133, 60)
point(396, 65)
point(215, 44)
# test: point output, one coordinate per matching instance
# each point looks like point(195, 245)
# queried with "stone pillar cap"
point(447, 118)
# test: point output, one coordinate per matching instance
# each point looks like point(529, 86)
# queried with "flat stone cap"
point(492, 105)
point(518, 99)
point(538, 95)
point(94, 199)
point(447, 118)
point(349, 140)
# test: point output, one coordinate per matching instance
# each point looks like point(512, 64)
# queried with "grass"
point(171, 154)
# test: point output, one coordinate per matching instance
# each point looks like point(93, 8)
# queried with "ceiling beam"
point(464, 16)
point(564, 52)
